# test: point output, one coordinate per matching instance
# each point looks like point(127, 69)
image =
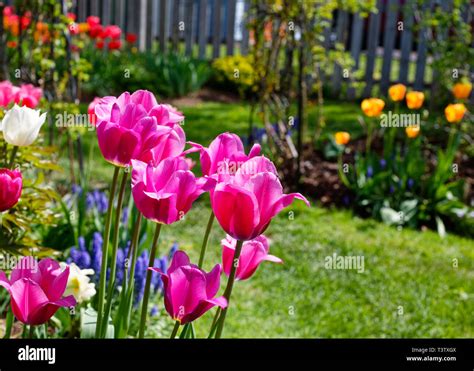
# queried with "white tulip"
point(78, 283)
point(21, 125)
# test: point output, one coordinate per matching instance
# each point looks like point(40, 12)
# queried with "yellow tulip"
point(412, 131)
point(462, 90)
point(455, 112)
point(397, 92)
point(342, 137)
point(415, 99)
point(372, 107)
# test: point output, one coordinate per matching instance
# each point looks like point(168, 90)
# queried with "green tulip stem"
point(206, 239)
point(230, 285)
point(105, 251)
point(113, 264)
point(149, 273)
point(12, 157)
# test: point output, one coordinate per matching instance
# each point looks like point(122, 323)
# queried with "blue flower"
point(76, 189)
point(90, 202)
point(410, 183)
point(96, 253)
point(173, 249)
point(382, 163)
point(154, 311)
point(125, 213)
point(80, 256)
point(370, 172)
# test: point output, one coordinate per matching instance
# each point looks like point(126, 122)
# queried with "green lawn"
point(410, 286)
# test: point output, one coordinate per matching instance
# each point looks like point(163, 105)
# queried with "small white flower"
point(79, 284)
point(21, 125)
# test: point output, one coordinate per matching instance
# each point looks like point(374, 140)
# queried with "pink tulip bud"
point(36, 290)
point(11, 184)
point(189, 291)
point(253, 253)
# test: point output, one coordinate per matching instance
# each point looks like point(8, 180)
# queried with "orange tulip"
point(412, 131)
point(462, 90)
point(372, 107)
point(455, 112)
point(84, 27)
point(415, 99)
point(342, 138)
point(397, 92)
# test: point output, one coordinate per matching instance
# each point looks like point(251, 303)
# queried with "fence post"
point(202, 36)
point(217, 29)
point(175, 25)
point(163, 17)
point(341, 25)
point(406, 41)
point(374, 30)
point(244, 43)
point(230, 26)
point(421, 52)
point(356, 44)
point(388, 43)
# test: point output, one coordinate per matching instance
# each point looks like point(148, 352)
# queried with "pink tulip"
point(36, 290)
point(29, 95)
point(131, 126)
point(245, 204)
point(224, 155)
point(253, 253)
point(165, 193)
point(7, 91)
point(189, 291)
point(11, 184)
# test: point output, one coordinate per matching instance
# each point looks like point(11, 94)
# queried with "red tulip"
point(131, 38)
point(115, 44)
point(92, 20)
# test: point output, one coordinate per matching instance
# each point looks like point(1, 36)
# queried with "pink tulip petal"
point(180, 258)
point(188, 288)
point(27, 297)
point(4, 282)
point(213, 281)
point(46, 311)
point(255, 150)
point(203, 307)
point(288, 199)
point(26, 267)
point(144, 98)
point(236, 209)
point(273, 259)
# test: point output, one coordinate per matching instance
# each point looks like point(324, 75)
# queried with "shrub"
point(168, 75)
point(234, 73)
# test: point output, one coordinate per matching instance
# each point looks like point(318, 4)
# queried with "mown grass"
point(415, 284)
point(410, 286)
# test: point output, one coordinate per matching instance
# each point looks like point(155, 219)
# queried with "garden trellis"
point(219, 27)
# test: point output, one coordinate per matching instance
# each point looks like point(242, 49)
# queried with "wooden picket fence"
point(210, 28)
